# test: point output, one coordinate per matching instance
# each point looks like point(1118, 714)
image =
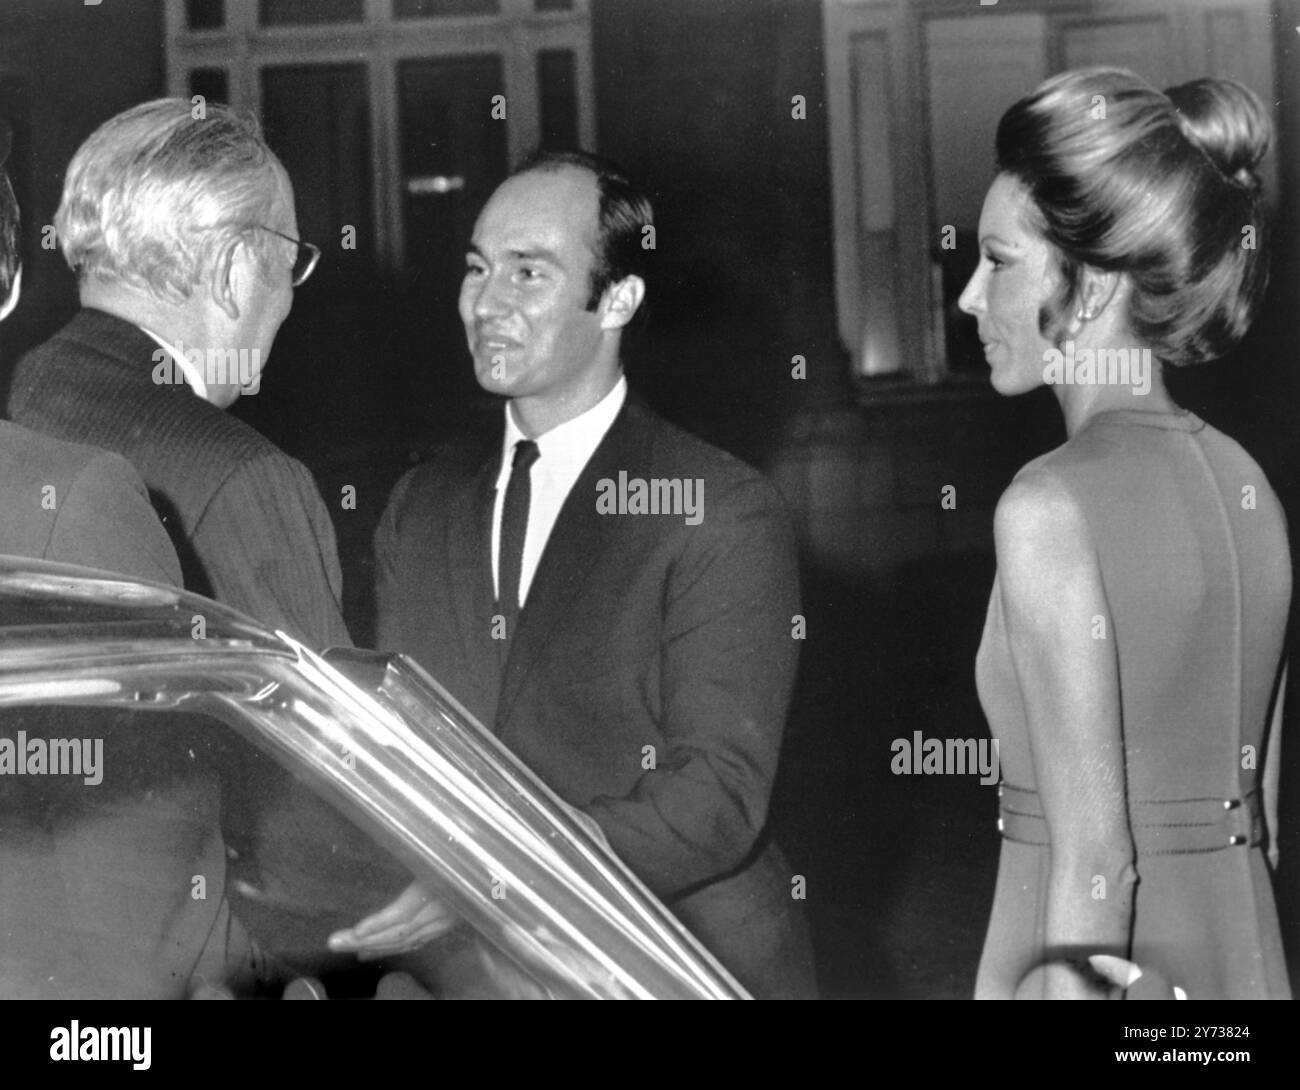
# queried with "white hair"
point(156, 193)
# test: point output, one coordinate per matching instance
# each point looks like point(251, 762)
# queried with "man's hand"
point(408, 923)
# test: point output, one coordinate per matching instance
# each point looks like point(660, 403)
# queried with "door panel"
point(317, 118)
point(326, 372)
point(453, 154)
point(557, 97)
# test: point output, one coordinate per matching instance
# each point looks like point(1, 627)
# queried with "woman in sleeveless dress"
point(1131, 665)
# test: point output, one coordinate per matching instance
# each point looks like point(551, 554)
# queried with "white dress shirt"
point(562, 454)
point(192, 374)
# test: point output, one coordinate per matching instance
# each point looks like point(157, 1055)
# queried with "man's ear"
point(226, 268)
point(620, 302)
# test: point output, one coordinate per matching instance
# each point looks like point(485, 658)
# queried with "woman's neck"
point(1098, 381)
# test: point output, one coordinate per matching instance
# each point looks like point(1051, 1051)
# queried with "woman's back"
point(1192, 548)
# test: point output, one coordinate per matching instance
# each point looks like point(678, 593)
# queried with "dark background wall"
point(694, 97)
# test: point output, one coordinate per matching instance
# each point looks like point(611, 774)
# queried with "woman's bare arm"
point(1063, 647)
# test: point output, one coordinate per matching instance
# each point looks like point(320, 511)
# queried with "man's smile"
point(495, 342)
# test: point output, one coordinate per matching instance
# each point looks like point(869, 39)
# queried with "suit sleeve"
point(390, 633)
point(276, 556)
point(729, 657)
point(105, 521)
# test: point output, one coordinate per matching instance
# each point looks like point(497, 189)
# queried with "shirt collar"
point(567, 447)
point(192, 374)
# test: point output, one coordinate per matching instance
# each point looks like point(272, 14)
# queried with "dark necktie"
point(514, 527)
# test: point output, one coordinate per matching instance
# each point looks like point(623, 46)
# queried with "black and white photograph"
point(649, 499)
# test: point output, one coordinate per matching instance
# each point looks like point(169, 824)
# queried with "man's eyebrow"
point(538, 254)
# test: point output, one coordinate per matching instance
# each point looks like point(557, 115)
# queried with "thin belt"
point(1165, 827)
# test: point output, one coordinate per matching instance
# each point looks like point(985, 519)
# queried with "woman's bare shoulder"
point(1041, 533)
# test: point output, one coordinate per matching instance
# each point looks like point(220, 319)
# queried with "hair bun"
point(1228, 122)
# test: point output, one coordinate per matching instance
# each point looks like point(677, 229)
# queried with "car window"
point(190, 804)
point(174, 829)
point(140, 846)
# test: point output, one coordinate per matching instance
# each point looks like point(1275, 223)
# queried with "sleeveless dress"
point(1192, 546)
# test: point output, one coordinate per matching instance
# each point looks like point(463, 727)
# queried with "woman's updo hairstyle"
point(1159, 186)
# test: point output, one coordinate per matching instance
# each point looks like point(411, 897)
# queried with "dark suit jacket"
point(75, 504)
point(643, 640)
point(97, 906)
point(246, 519)
point(252, 532)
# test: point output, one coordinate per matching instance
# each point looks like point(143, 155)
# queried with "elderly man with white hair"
point(179, 223)
point(180, 226)
point(63, 501)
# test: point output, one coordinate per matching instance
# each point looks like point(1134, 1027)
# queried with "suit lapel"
point(579, 536)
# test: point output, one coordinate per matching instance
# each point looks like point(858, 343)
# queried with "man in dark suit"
point(95, 889)
point(612, 596)
point(78, 505)
point(62, 501)
point(180, 226)
point(182, 233)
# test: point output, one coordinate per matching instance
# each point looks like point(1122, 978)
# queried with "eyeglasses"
point(304, 263)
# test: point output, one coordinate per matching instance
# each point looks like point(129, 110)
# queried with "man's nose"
point(490, 298)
